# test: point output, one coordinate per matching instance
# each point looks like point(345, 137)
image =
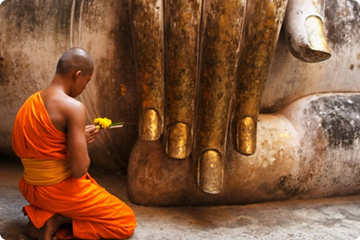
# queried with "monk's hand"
point(90, 133)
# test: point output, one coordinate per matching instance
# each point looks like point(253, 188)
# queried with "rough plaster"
point(33, 35)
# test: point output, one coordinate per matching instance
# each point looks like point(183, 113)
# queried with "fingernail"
point(178, 143)
point(210, 172)
point(150, 126)
point(317, 38)
point(246, 136)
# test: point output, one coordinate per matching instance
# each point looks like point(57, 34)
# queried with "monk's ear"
point(77, 74)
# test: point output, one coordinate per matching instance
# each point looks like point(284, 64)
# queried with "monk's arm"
point(77, 144)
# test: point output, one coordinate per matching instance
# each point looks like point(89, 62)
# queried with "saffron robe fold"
point(95, 213)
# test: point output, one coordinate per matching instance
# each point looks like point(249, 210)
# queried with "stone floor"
point(332, 218)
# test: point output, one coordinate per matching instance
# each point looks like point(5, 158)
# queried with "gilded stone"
point(179, 142)
point(246, 136)
point(221, 37)
point(148, 42)
point(304, 27)
point(182, 26)
point(211, 172)
point(317, 38)
point(261, 32)
point(150, 127)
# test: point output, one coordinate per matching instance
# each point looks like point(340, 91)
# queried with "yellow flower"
point(102, 123)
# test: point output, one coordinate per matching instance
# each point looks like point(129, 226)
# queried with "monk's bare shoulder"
point(73, 111)
point(63, 110)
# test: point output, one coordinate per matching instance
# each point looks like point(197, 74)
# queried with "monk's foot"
point(49, 229)
point(32, 231)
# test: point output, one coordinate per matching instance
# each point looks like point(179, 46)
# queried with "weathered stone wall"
point(34, 34)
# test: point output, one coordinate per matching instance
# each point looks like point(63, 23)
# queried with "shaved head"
point(73, 60)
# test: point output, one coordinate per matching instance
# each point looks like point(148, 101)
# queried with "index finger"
point(181, 28)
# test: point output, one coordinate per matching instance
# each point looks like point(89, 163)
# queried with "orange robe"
point(95, 212)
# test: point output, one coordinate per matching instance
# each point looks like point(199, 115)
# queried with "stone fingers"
point(182, 24)
point(222, 23)
point(261, 31)
point(304, 25)
point(148, 41)
point(214, 52)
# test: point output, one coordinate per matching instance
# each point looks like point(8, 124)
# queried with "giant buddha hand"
point(201, 67)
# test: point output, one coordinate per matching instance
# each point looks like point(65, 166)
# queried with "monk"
point(51, 137)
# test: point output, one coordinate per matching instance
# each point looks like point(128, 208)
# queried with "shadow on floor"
point(14, 230)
